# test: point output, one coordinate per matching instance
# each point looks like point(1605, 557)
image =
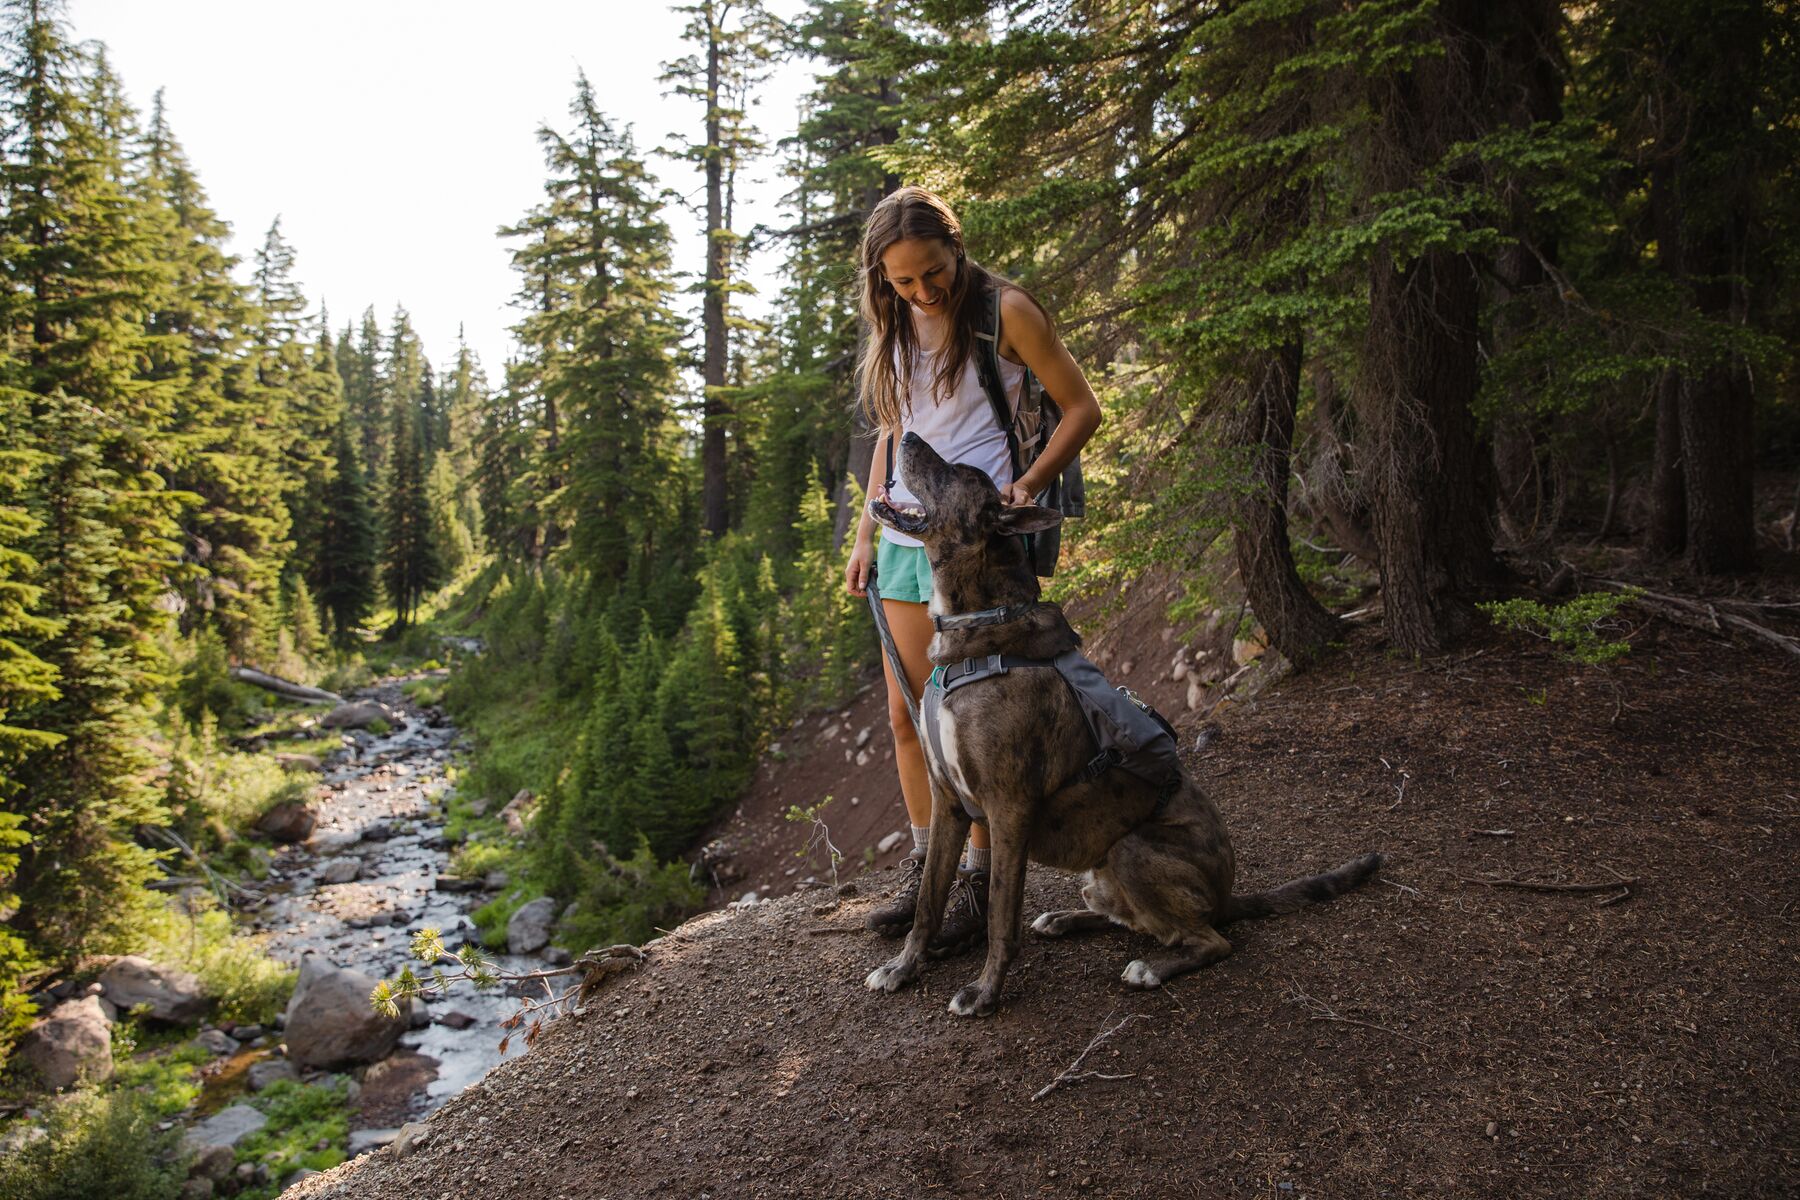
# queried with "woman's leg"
point(911, 626)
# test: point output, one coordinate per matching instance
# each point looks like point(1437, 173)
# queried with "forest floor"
point(1435, 1033)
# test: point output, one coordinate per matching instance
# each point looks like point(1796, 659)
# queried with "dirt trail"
point(1425, 1036)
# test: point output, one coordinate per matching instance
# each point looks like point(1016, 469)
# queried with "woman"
point(923, 299)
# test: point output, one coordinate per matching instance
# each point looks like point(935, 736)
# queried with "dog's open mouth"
point(902, 518)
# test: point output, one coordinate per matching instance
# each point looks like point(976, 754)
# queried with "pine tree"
point(597, 261)
point(410, 561)
point(343, 569)
point(79, 272)
point(734, 40)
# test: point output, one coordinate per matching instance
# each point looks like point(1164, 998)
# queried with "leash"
point(889, 648)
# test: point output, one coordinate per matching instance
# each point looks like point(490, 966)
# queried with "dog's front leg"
point(949, 829)
point(1006, 898)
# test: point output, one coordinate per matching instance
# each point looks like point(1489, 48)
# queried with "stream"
point(382, 807)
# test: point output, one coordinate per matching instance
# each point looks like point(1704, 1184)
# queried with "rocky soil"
point(1465, 1026)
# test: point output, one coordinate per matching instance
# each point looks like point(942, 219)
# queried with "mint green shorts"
point(902, 572)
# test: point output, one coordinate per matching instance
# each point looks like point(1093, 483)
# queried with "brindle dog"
point(1011, 742)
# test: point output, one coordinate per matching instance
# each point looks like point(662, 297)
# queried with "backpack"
point(1028, 431)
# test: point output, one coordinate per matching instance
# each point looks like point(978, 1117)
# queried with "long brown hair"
point(887, 354)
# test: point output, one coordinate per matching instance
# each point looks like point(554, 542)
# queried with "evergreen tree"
point(343, 569)
point(598, 344)
point(411, 564)
point(734, 42)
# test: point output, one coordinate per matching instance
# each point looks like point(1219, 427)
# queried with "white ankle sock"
point(921, 837)
point(977, 860)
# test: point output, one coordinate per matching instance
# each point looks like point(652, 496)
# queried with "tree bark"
point(1297, 624)
point(1666, 533)
point(715, 514)
point(1435, 494)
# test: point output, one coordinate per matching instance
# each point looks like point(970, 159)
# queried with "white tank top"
point(960, 426)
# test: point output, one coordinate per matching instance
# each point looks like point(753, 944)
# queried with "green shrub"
point(204, 682)
point(215, 793)
point(1582, 630)
point(195, 934)
point(166, 1078)
point(628, 900)
point(98, 1145)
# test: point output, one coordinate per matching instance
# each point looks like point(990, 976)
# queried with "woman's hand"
point(1018, 492)
point(856, 572)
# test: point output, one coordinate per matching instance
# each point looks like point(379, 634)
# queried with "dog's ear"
point(1028, 518)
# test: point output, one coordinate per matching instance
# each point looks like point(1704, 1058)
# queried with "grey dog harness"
point(1131, 735)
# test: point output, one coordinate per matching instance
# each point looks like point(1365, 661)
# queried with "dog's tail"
point(1296, 894)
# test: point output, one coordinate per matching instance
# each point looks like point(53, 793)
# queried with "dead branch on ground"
point(1318, 1010)
point(1073, 1072)
point(1705, 614)
point(1621, 887)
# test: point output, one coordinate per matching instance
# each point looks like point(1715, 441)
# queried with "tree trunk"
point(1435, 494)
point(1297, 624)
point(714, 512)
point(1666, 533)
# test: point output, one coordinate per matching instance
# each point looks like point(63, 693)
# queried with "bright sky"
point(393, 137)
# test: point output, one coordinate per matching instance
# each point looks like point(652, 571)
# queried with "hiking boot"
point(965, 920)
point(896, 916)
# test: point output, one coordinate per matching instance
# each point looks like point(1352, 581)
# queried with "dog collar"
point(987, 616)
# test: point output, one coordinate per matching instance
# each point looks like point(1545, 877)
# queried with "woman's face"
point(922, 271)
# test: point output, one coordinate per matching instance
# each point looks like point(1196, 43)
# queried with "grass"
point(164, 1077)
point(301, 1117)
point(98, 1144)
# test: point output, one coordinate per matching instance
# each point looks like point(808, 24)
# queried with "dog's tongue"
point(881, 494)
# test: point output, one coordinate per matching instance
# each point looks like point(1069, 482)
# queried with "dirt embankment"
point(1426, 1036)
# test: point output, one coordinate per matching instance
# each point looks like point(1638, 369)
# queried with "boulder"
point(364, 1140)
point(497, 881)
point(227, 1127)
point(330, 1020)
point(358, 714)
point(166, 993)
point(340, 870)
point(197, 1188)
point(73, 1043)
point(288, 823)
point(300, 762)
point(412, 1136)
point(217, 1041)
point(456, 883)
point(529, 928)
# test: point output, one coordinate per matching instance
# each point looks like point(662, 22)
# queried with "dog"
point(1013, 746)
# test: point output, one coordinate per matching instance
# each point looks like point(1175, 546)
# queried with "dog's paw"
point(1140, 974)
point(972, 1001)
point(892, 975)
point(1050, 925)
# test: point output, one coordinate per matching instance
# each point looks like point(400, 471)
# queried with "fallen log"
point(285, 687)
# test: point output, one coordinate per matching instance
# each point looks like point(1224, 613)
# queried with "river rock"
point(456, 1019)
point(300, 762)
point(529, 928)
point(456, 883)
point(198, 1188)
point(340, 870)
point(890, 842)
point(358, 714)
point(217, 1041)
point(330, 1021)
point(268, 1071)
point(496, 881)
point(212, 1162)
point(288, 823)
point(364, 1140)
point(227, 1127)
point(73, 1043)
point(377, 831)
point(166, 993)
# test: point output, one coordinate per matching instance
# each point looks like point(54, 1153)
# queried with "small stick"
point(1493, 833)
point(1525, 885)
point(1072, 1073)
point(822, 930)
point(1403, 887)
point(1324, 1012)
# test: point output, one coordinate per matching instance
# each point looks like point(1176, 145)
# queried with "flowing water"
point(382, 805)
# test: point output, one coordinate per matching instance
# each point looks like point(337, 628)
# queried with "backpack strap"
point(987, 371)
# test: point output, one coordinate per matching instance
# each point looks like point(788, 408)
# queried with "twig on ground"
point(1625, 888)
point(1407, 888)
point(1318, 1010)
point(220, 884)
point(1073, 1072)
point(825, 929)
point(1493, 833)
